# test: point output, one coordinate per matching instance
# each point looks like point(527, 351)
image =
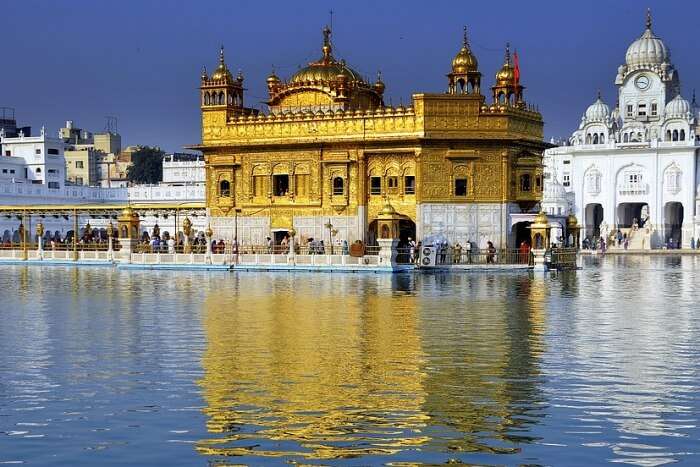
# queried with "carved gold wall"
point(437, 141)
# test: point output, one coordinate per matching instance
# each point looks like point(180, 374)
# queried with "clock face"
point(642, 82)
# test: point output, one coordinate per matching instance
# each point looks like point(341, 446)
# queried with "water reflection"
point(105, 366)
point(292, 370)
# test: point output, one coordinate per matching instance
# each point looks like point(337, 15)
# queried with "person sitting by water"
point(457, 258)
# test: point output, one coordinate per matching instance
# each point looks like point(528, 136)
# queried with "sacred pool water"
point(107, 367)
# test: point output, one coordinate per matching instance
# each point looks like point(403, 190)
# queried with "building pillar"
point(40, 240)
point(291, 254)
point(208, 235)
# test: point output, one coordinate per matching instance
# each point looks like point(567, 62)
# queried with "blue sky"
point(140, 60)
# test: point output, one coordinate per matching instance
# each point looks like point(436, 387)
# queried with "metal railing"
point(563, 258)
point(451, 256)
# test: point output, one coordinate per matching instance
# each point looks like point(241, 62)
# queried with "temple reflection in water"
point(290, 363)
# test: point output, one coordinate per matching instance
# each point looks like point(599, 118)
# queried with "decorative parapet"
point(436, 114)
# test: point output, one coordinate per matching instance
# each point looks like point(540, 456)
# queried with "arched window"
point(675, 135)
point(588, 138)
point(221, 98)
point(224, 188)
point(593, 181)
point(230, 99)
point(682, 135)
point(673, 179)
point(668, 135)
point(595, 138)
point(338, 186)
point(525, 182)
point(602, 138)
point(626, 138)
point(206, 98)
point(38, 170)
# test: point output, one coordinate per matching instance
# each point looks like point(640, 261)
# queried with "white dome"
point(678, 107)
point(647, 50)
point(598, 111)
point(554, 190)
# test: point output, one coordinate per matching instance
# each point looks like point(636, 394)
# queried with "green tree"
point(146, 165)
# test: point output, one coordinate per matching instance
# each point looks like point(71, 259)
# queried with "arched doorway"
point(593, 218)
point(673, 224)
point(629, 213)
point(407, 229)
point(521, 233)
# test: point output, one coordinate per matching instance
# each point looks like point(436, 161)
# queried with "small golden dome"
point(128, 212)
point(388, 210)
point(465, 60)
point(379, 84)
point(506, 75)
point(571, 220)
point(273, 78)
point(541, 218)
point(221, 72)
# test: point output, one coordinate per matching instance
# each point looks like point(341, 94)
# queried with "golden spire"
point(507, 61)
point(464, 38)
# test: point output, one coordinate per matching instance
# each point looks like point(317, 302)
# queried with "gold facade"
point(328, 133)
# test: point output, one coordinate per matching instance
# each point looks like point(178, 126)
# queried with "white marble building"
point(32, 160)
point(634, 168)
point(22, 186)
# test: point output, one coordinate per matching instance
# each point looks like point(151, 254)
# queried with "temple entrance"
point(630, 213)
point(673, 224)
point(593, 218)
point(521, 233)
point(278, 236)
point(407, 229)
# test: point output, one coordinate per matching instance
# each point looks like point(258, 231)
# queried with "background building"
point(633, 169)
point(90, 158)
point(40, 157)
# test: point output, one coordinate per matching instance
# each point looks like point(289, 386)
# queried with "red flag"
point(516, 71)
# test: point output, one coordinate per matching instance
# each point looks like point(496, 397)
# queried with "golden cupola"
point(326, 84)
point(507, 90)
point(464, 77)
point(221, 73)
point(221, 91)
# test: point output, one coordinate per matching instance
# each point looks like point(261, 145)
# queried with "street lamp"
point(331, 233)
point(236, 211)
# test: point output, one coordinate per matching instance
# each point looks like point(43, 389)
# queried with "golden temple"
point(330, 152)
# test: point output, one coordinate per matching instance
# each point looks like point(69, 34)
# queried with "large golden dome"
point(465, 60)
point(320, 71)
point(327, 68)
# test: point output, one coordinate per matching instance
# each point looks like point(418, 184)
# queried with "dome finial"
point(464, 37)
point(694, 103)
point(648, 18)
point(221, 54)
point(599, 97)
point(327, 44)
point(507, 53)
